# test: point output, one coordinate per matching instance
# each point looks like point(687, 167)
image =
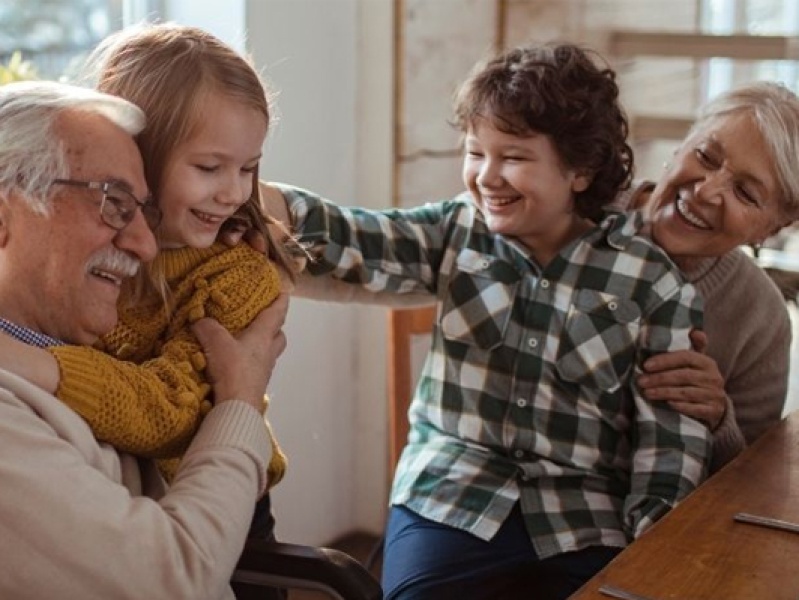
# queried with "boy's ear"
point(581, 181)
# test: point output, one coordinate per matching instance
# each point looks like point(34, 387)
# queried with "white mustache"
point(111, 260)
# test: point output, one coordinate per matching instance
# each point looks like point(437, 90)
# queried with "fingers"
point(709, 414)
point(210, 334)
point(699, 340)
point(271, 318)
point(680, 359)
point(240, 367)
point(256, 240)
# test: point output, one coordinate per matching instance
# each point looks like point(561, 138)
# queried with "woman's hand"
point(688, 380)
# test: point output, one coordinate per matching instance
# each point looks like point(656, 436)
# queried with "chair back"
point(403, 325)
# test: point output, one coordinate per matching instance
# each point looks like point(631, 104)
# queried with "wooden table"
point(698, 552)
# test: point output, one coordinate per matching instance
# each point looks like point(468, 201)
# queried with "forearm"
point(393, 251)
point(149, 410)
point(274, 204)
point(728, 440)
point(181, 544)
point(329, 289)
point(669, 460)
point(33, 364)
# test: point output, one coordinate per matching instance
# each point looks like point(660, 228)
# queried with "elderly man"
point(77, 518)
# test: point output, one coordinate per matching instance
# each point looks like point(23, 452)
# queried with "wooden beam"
point(695, 45)
point(659, 128)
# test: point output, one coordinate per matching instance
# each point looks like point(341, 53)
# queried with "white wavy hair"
point(775, 110)
point(31, 154)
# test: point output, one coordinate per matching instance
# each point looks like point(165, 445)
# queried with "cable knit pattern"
point(749, 337)
point(144, 389)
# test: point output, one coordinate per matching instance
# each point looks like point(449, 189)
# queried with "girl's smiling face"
point(210, 176)
point(721, 191)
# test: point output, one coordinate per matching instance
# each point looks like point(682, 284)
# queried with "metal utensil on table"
point(766, 522)
point(621, 594)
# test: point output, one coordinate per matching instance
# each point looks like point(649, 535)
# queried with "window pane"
point(55, 35)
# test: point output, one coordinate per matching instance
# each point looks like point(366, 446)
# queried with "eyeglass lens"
point(119, 208)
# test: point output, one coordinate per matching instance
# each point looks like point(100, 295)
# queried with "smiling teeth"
point(682, 208)
point(112, 265)
point(499, 201)
point(108, 276)
point(208, 218)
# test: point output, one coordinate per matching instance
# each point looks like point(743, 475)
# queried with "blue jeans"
point(425, 560)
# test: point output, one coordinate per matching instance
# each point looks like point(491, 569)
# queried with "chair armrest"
point(331, 571)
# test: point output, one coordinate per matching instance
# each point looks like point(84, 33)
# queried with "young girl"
point(532, 456)
point(144, 389)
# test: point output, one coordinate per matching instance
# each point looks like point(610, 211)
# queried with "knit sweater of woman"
point(144, 389)
point(749, 336)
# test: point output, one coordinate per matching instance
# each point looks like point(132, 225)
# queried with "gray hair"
point(775, 111)
point(31, 155)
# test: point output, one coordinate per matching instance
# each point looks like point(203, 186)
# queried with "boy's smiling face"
point(522, 187)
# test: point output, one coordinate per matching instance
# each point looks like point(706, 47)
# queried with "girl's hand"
point(688, 380)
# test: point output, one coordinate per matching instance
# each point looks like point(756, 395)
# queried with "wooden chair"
point(403, 325)
point(264, 566)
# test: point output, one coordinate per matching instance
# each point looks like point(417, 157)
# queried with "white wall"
point(330, 63)
point(328, 394)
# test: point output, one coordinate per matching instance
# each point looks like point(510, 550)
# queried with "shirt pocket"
point(477, 307)
point(597, 346)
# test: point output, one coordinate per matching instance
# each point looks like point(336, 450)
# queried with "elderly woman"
point(733, 181)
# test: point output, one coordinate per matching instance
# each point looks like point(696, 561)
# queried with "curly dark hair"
point(563, 91)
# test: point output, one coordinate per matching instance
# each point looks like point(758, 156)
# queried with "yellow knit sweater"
point(144, 389)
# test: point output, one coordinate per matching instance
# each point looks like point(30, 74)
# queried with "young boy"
point(532, 457)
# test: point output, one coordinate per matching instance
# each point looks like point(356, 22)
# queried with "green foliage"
point(16, 69)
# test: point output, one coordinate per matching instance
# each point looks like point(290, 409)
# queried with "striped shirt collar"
point(29, 336)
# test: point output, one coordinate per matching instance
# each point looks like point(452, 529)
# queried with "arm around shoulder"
point(164, 543)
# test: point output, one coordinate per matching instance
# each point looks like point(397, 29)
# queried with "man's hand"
point(240, 367)
point(688, 380)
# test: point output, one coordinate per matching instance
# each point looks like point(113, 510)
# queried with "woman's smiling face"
point(720, 192)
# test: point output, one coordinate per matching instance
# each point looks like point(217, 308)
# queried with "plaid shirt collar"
point(29, 336)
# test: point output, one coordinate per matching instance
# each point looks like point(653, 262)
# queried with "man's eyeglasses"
point(118, 206)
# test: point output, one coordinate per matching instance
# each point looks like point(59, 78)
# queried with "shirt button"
point(521, 402)
point(532, 342)
point(525, 477)
point(545, 283)
point(518, 453)
point(485, 263)
point(612, 305)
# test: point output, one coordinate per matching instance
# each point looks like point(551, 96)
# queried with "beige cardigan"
point(80, 520)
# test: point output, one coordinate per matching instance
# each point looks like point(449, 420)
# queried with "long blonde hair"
point(169, 71)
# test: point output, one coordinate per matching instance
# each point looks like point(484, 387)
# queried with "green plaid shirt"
point(527, 394)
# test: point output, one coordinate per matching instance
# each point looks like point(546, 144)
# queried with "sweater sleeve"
point(154, 408)
point(753, 357)
point(125, 540)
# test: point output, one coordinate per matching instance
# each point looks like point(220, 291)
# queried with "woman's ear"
point(5, 219)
